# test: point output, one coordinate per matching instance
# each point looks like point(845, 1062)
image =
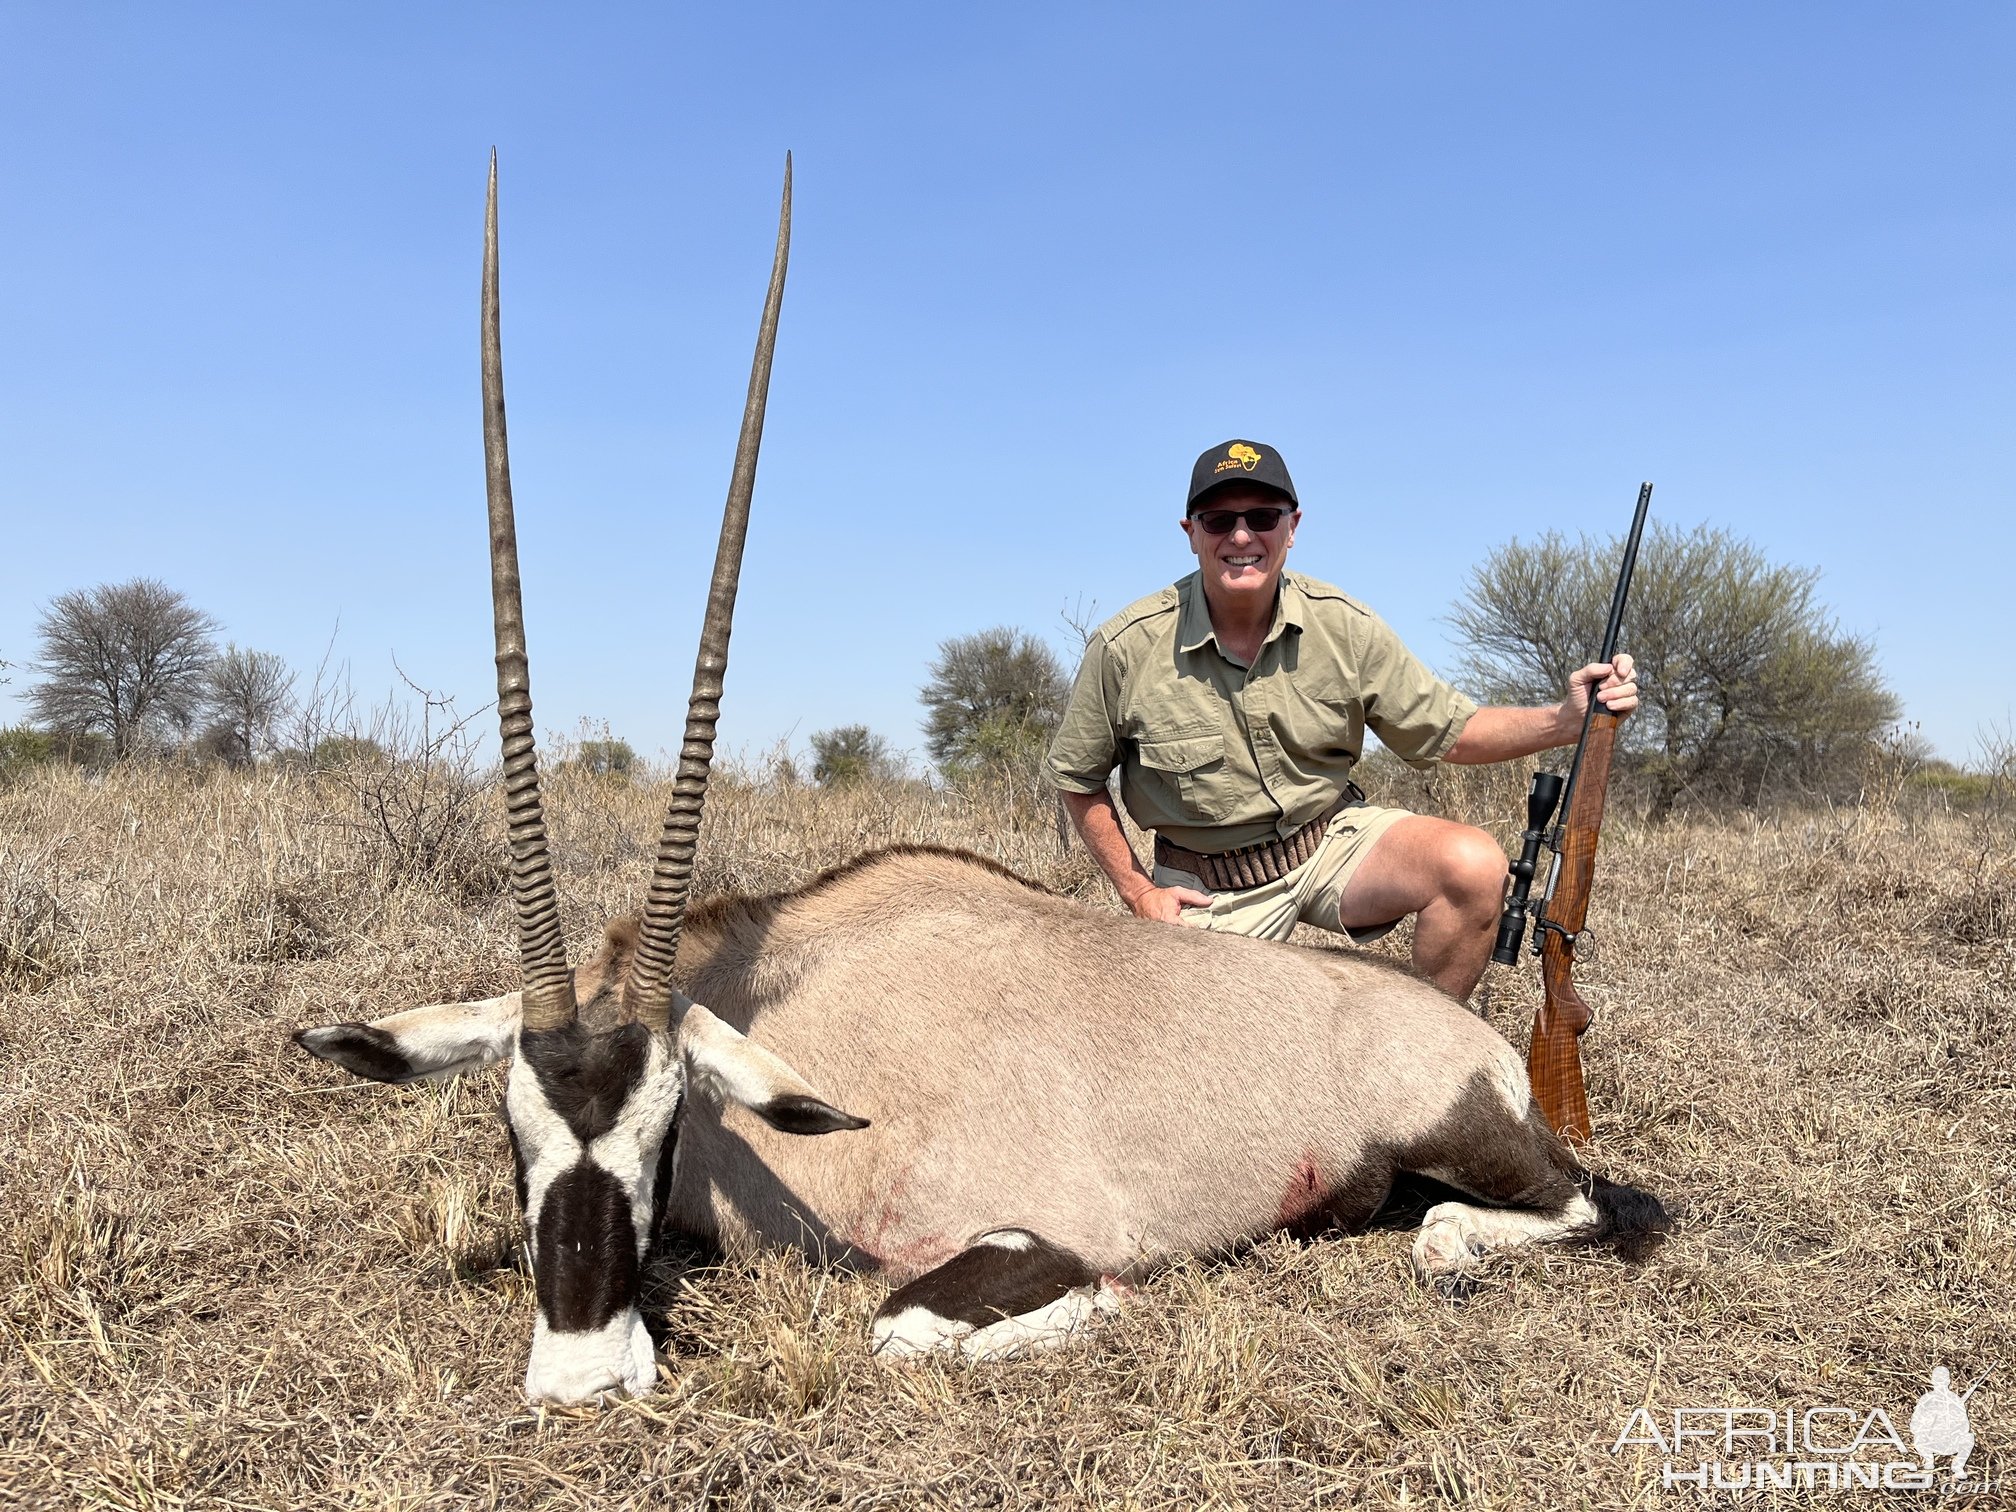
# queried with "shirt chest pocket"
point(1188, 773)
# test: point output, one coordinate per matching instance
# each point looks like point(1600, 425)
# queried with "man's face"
point(1243, 565)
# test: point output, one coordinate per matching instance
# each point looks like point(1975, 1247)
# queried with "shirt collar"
point(1193, 623)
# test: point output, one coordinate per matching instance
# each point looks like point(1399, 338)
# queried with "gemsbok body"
point(1041, 1100)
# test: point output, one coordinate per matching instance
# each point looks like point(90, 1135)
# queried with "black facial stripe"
point(586, 1252)
point(661, 1180)
point(359, 1048)
point(517, 1159)
point(795, 1113)
point(586, 1076)
point(988, 1282)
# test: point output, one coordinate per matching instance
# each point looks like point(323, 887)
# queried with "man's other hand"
point(1165, 905)
point(1616, 685)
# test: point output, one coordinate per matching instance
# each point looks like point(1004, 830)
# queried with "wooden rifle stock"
point(1554, 1060)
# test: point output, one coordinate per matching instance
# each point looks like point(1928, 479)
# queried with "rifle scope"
point(1541, 801)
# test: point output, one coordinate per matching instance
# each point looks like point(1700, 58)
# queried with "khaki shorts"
point(1313, 893)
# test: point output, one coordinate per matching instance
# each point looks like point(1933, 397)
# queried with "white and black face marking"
point(591, 1119)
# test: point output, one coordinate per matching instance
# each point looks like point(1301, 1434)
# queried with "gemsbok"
point(1042, 1100)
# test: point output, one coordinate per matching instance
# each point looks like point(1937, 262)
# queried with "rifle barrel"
point(1611, 631)
point(1615, 623)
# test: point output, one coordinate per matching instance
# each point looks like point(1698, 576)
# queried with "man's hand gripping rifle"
point(1554, 1062)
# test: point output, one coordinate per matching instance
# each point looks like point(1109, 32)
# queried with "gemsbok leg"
point(1539, 1194)
point(1007, 1293)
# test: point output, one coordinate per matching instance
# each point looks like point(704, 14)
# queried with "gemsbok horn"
point(647, 991)
point(548, 985)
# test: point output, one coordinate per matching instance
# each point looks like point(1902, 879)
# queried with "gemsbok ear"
point(439, 1040)
point(727, 1066)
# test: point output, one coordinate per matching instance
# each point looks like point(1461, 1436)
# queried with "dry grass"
point(233, 1280)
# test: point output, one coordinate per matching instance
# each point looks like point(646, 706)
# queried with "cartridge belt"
point(1256, 865)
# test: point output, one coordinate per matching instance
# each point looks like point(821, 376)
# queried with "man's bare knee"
point(1474, 868)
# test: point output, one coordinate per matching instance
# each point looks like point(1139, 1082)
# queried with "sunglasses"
point(1219, 522)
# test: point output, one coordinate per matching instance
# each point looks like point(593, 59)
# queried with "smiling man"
point(1234, 705)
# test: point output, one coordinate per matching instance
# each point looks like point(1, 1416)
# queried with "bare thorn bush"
point(409, 783)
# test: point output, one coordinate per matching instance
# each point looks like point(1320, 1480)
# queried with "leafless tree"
point(128, 659)
point(407, 779)
point(1082, 620)
point(249, 693)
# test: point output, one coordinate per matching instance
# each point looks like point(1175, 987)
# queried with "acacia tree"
point(1746, 683)
point(848, 754)
point(994, 698)
point(128, 659)
point(605, 755)
point(249, 693)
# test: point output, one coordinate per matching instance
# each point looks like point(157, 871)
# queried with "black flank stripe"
point(987, 1283)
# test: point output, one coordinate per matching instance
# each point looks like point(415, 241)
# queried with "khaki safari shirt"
point(1215, 755)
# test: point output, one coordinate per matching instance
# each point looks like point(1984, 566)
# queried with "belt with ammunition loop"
point(1256, 865)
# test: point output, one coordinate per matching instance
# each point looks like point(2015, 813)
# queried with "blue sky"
point(1475, 269)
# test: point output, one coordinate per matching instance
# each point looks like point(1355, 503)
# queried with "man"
point(1234, 705)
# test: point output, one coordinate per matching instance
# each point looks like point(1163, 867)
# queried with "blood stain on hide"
point(1305, 1194)
point(876, 1242)
point(924, 1253)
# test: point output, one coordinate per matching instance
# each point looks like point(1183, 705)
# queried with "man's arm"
point(1098, 824)
point(1505, 734)
point(1082, 754)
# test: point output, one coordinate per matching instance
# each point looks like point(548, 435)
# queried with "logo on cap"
point(1238, 454)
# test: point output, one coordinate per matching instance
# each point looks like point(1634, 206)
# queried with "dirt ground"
point(233, 1278)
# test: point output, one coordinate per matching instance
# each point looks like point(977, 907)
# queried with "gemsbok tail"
point(1630, 1220)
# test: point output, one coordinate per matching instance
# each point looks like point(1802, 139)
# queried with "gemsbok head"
point(593, 1106)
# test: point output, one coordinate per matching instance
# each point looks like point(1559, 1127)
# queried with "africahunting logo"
point(1238, 454)
point(1812, 1448)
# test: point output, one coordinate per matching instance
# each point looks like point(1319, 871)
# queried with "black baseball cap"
point(1245, 462)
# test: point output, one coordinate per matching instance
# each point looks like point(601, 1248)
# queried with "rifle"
point(1554, 1060)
